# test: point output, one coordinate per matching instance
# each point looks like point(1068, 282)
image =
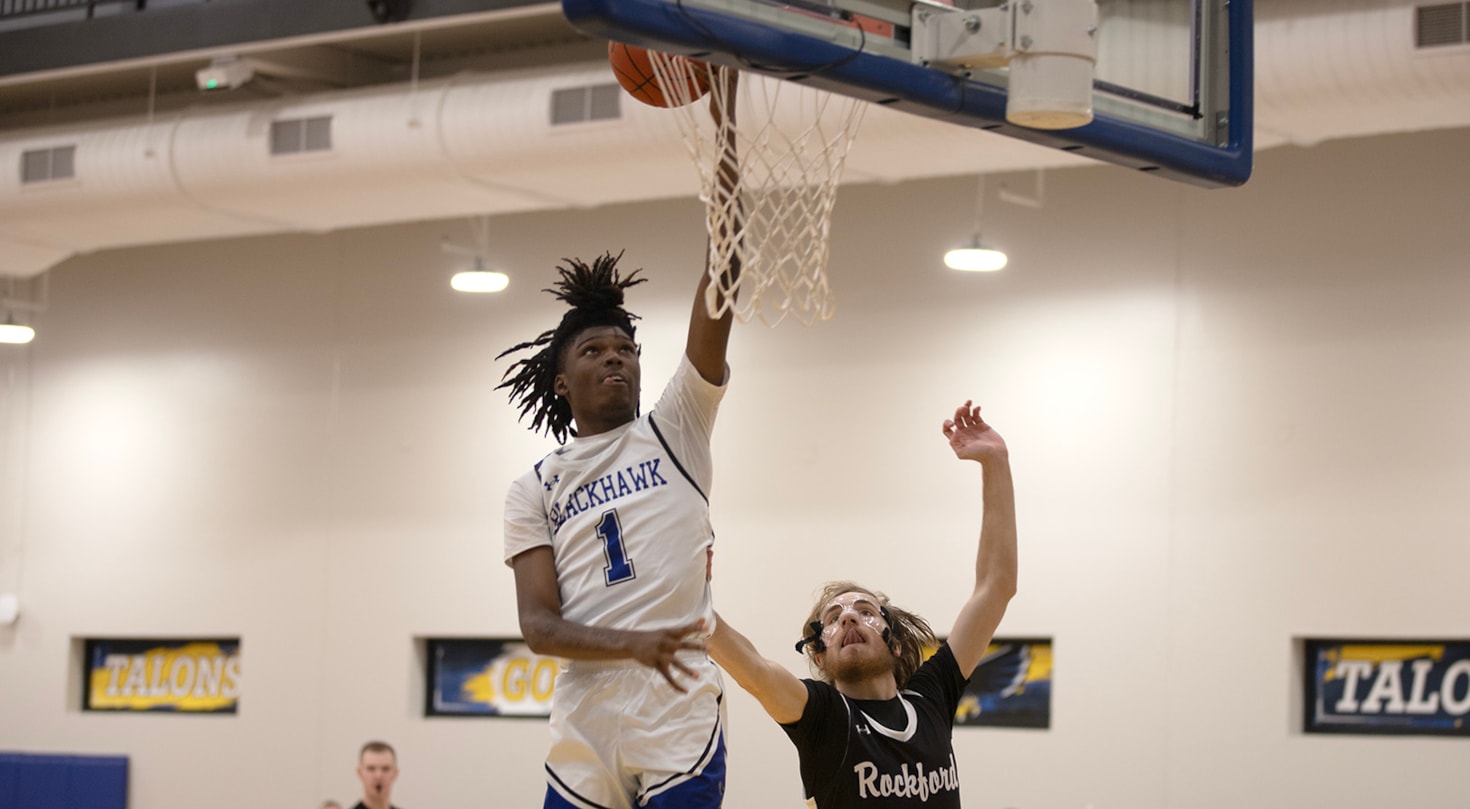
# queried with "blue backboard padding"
point(711, 35)
point(36, 781)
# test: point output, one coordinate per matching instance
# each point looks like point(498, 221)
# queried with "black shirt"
point(883, 754)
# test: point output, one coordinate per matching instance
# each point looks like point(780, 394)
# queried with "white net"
point(791, 141)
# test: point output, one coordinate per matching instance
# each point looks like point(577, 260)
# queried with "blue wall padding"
point(34, 781)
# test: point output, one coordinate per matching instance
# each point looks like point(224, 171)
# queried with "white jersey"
point(626, 514)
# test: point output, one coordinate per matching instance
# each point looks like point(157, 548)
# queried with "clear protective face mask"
point(857, 604)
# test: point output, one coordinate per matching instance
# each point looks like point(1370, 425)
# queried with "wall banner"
point(1011, 687)
point(1388, 687)
point(498, 677)
point(164, 676)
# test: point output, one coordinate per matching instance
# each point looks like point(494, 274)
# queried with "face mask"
point(858, 605)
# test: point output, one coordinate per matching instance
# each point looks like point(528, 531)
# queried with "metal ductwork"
point(471, 144)
point(485, 143)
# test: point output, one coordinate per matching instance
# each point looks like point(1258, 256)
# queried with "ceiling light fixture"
point(479, 277)
point(975, 256)
point(14, 333)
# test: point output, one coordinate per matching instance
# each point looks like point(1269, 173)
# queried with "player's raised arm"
point(578, 593)
point(779, 691)
point(995, 561)
point(710, 337)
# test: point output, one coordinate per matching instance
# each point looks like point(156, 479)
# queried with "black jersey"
point(883, 754)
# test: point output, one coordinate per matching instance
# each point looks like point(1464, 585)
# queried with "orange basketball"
point(631, 65)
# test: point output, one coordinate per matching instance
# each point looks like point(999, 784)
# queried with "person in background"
point(377, 769)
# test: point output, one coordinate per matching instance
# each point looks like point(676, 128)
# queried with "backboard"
point(1170, 92)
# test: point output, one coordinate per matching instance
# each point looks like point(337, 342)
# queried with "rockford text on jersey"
point(904, 784)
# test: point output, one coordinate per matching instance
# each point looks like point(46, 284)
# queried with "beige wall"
point(1234, 417)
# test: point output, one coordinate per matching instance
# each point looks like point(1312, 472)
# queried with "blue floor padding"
point(39, 781)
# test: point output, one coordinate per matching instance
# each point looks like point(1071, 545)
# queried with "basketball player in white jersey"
point(875, 730)
point(610, 539)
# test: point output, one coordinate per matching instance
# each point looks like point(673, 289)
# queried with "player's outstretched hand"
point(657, 649)
point(971, 438)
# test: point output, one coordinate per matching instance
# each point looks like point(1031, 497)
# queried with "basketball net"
point(791, 141)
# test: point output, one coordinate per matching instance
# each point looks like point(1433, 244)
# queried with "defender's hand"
point(971, 438)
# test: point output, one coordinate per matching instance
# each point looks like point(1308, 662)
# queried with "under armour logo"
point(554, 480)
point(863, 730)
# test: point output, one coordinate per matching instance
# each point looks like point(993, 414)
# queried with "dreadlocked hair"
point(595, 295)
point(911, 634)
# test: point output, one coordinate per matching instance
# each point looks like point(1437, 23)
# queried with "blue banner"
point(178, 676)
point(1397, 687)
point(1010, 688)
point(489, 677)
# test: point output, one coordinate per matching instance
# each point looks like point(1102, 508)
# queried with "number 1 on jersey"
point(619, 567)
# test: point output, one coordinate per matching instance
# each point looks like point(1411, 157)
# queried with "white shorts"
point(621, 735)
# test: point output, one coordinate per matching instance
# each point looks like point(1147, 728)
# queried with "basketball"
point(632, 65)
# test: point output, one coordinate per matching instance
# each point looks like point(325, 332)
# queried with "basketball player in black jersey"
point(875, 730)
